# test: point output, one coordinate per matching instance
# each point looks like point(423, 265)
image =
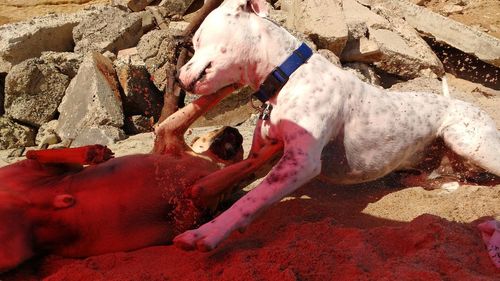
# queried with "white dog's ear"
point(259, 7)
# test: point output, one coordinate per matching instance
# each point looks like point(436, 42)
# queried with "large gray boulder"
point(157, 49)
point(23, 40)
point(92, 100)
point(104, 135)
point(322, 21)
point(33, 91)
point(13, 135)
point(110, 29)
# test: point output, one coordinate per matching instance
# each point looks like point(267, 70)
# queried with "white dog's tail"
point(446, 90)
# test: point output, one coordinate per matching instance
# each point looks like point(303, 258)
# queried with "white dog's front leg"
point(296, 167)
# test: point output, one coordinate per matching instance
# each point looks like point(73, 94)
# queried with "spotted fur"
point(323, 113)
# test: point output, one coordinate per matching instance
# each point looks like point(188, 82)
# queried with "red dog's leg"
point(86, 155)
point(205, 191)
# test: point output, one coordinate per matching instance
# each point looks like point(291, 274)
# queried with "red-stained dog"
point(76, 203)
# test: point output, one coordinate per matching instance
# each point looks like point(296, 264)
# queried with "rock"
point(278, 16)
point(401, 58)
point(362, 50)
point(129, 54)
point(455, 34)
point(33, 91)
point(66, 62)
point(380, 37)
point(449, 9)
point(421, 84)
point(138, 5)
point(148, 21)
point(140, 96)
point(92, 99)
point(111, 29)
point(363, 72)
point(330, 56)
point(24, 40)
point(47, 134)
point(111, 56)
point(138, 124)
point(13, 135)
point(316, 19)
point(283, 5)
point(157, 49)
point(104, 135)
point(358, 18)
point(177, 27)
point(176, 7)
point(2, 93)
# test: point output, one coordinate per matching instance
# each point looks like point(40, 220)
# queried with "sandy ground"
point(321, 232)
point(18, 10)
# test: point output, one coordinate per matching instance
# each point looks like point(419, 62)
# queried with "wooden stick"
point(170, 133)
point(172, 90)
point(85, 155)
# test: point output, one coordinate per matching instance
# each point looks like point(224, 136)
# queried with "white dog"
point(319, 112)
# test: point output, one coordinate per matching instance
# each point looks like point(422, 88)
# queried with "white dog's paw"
point(203, 239)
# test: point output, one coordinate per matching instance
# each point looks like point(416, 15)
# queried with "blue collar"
point(279, 76)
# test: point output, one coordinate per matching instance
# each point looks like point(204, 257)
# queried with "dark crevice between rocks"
point(465, 66)
point(2, 92)
point(387, 80)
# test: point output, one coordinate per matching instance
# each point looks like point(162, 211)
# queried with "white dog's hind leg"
point(472, 134)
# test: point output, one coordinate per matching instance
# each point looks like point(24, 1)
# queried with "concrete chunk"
point(109, 29)
point(92, 99)
point(2, 93)
point(176, 7)
point(455, 34)
point(104, 135)
point(24, 40)
point(157, 49)
point(33, 91)
point(322, 21)
point(362, 50)
point(138, 5)
point(14, 135)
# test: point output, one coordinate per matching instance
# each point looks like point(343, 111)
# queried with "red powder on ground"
point(321, 238)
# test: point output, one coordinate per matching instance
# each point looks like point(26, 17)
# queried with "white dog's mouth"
point(201, 77)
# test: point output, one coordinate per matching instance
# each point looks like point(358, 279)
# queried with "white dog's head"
point(225, 46)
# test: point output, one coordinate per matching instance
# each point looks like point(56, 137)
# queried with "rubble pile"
point(100, 74)
point(99, 77)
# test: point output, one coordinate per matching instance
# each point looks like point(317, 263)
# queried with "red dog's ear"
point(259, 7)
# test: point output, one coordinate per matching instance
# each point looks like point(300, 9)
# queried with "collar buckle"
point(265, 113)
point(272, 84)
point(280, 75)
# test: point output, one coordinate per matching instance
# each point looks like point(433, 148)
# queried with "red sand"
point(324, 237)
